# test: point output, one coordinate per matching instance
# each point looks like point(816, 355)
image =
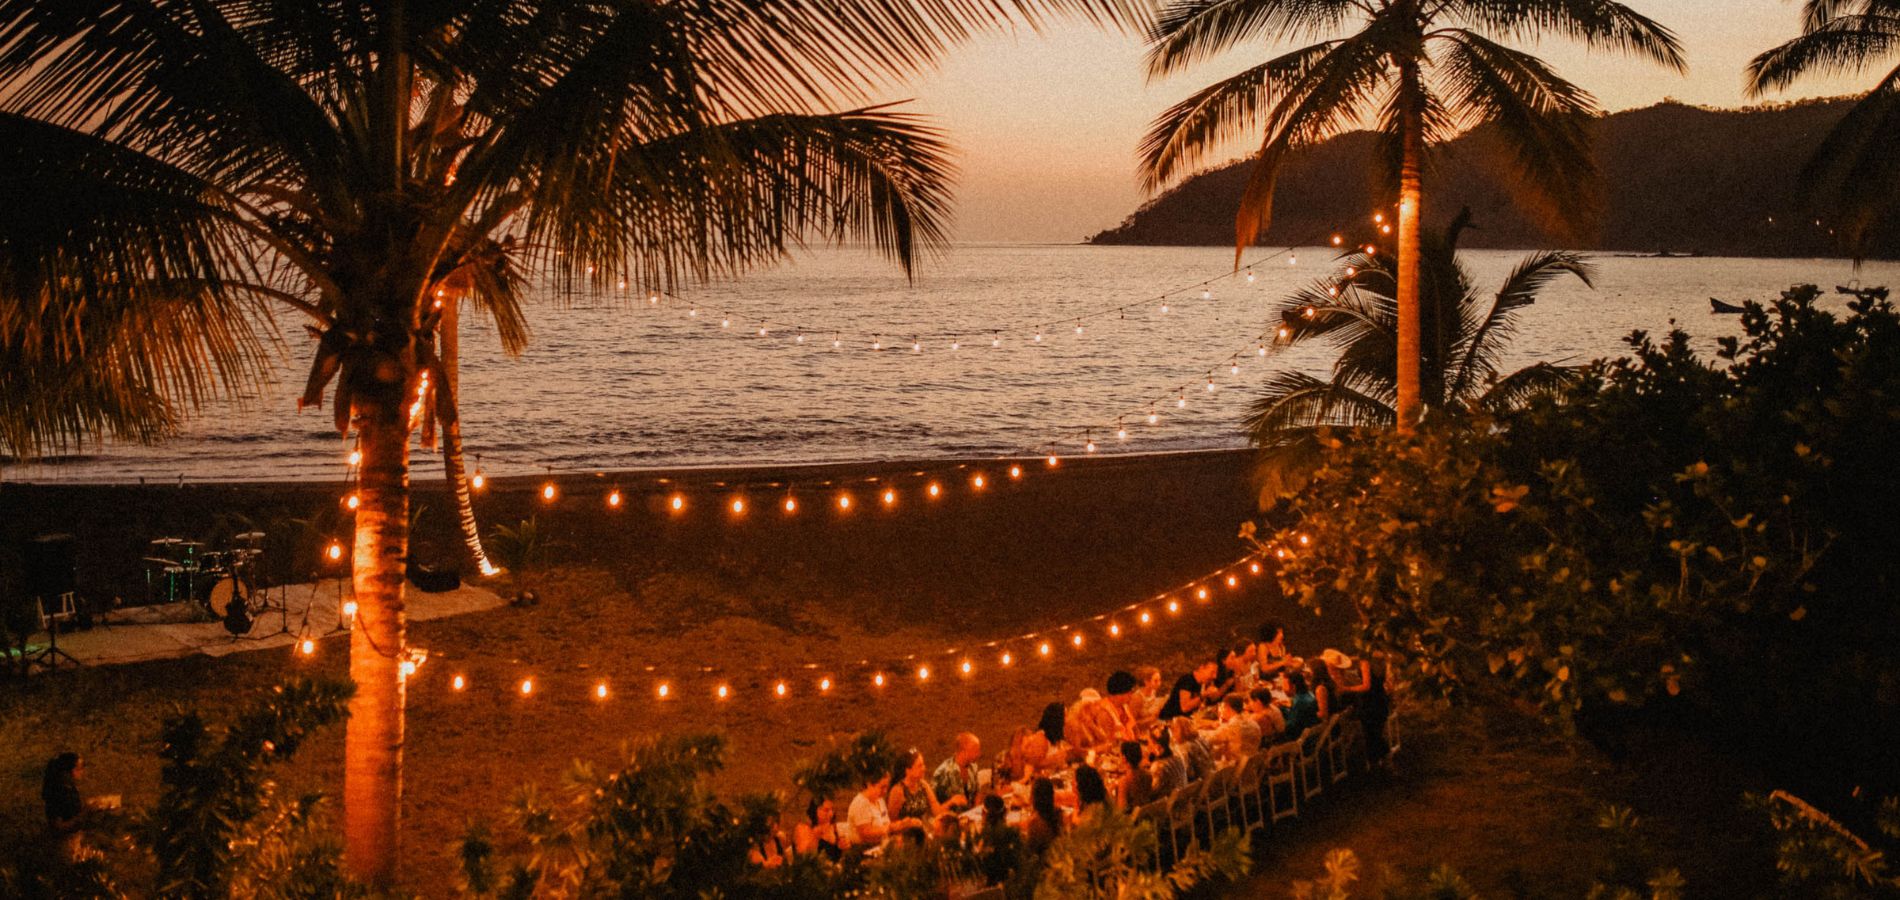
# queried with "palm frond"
point(1520, 387)
point(1543, 118)
point(1294, 400)
point(1853, 171)
point(1480, 347)
point(1183, 135)
point(1837, 46)
point(1602, 24)
point(1187, 32)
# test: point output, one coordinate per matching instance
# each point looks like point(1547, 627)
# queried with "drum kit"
point(225, 582)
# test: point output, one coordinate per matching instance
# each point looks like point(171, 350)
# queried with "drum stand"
point(49, 658)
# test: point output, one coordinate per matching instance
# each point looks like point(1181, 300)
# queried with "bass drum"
point(227, 591)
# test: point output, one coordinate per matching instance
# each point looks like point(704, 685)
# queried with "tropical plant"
point(1420, 71)
point(1466, 334)
point(1853, 171)
point(178, 170)
point(1106, 857)
point(522, 549)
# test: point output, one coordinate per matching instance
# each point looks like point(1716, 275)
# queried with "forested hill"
point(1678, 179)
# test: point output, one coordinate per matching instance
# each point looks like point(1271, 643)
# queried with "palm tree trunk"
point(372, 765)
point(1411, 200)
point(455, 470)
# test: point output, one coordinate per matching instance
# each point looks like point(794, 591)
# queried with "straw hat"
point(1336, 659)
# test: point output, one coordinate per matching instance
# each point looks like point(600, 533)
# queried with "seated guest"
point(1044, 748)
point(1238, 735)
point(1044, 823)
point(1192, 749)
point(1148, 698)
point(1237, 670)
point(1167, 772)
point(65, 806)
point(1134, 789)
point(1107, 721)
point(1091, 792)
point(1302, 711)
point(819, 832)
point(999, 849)
point(1270, 656)
point(868, 817)
point(1265, 712)
point(1081, 721)
point(771, 850)
point(1190, 690)
point(956, 777)
point(1325, 687)
point(911, 799)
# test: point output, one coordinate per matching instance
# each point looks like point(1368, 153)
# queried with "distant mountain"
point(1675, 178)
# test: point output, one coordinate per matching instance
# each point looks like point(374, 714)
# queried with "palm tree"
point(1420, 71)
point(1854, 171)
point(1465, 337)
point(344, 161)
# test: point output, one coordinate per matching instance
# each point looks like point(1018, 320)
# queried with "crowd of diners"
point(1127, 744)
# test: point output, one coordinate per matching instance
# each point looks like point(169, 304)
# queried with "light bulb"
point(1078, 329)
point(1174, 606)
point(590, 270)
point(1284, 332)
point(1044, 649)
point(935, 489)
point(1210, 386)
point(725, 323)
point(1114, 630)
point(352, 501)
point(824, 684)
point(349, 609)
point(1053, 461)
point(967, 668)
point(916, 346)
point(977, 481)
point(1250, 276)
point(1351, 271)
point(1164, 309)
point(761, 331)
point(1231, 581)
point(548, 491)
point(890, 497)
point(600, 691)
point(335, 552)
point(1015, 471)
point(996, 342)
point(1200, 593)
point(1038, 337)
point(1304, 540)
point(738, 505)
point(1207, 294)
point(1121, 434)
point(663, 690)
point(877, 345)
point(356, 457)
point(1145, 617)
point(955, 345)
point(677, 503)
point(1262, 350)
point(1254, 568)
point(878, 679)
point(307, 646)
point(1153, 417)
point(1371, 250)
point(1089, 447)
point(1233, 368)
point(1378, 217)
point(692, 313)
point(458, 683)
point(622, 284)
point(1338, 239)
point(800, 339)
point(478, 482)
point(724, 692)
point(1181, 401)
point(1332, 290)
point(527, 686)
point(1385, 229)
point(791, 505)
point(1292, 260)
point(613, 499)
point(923, 673)
point(779, 689)
point(844, 501)
point(1076, 639)
point(1007, 659)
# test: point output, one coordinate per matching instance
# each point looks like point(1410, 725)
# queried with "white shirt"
point(865, 811)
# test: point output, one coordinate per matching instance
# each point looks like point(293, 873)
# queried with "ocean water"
point(615, 382)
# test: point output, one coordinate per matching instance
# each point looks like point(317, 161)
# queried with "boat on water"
point(1864, 293)
point(1721, 308)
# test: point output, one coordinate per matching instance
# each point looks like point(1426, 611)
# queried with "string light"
point(1053, 461)
point(725, 322)
point(923, 673)
point(335, 552)
point(916, 346)
point(1078, 329)
point(791, 505)
point(613, 498)
point(779, 689)
point(967, 668)
point(935, 489)
point(1007, 659)
point(1015, 471)
point(1038, 337)
point(1210, 386)
point(738, 505)
point(352, 501)
point(1174, 606)
point(1232, 581)
point(664, 690)
point(1121, 430)
point(1153, 417)
point(458, 683)
point(977, 481)
point(954, 345)
point(527, 686)
point(844, 501)
point(1044, 649)
point(1200, 593)
point(478, 481)
point(349, 610)
point(307, 646)
point(1338, 239)
point(824, 685)
point(1164, 308)
point(1114, 630)
point(1250, 276)
point(1207, 293)
point(1076, 639)
point(1181, 401)
point(356, 457)
point(1090, 446)
point(600, 691)
point(1146, 617)
point(724, 692)
point(677, 504)
point(878, 679)
point(890, 497)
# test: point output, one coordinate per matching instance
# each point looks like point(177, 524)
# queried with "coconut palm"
point(1417, 71)
point(201, 162)
point(1466, 333)
point(1854, 171)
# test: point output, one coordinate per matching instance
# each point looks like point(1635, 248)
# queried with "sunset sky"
point(1048, 125)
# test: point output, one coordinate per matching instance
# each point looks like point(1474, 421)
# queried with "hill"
point(1675, 178)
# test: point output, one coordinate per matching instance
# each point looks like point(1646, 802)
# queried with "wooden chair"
point(1312, 774)
point(1282, 775)
point(1181, 815)
point(1216, 806)
point(1156, 814)
point(1251, 782)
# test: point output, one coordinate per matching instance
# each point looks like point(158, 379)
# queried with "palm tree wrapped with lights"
point(1466, 335)
point(1420, 72)
point(185, 168)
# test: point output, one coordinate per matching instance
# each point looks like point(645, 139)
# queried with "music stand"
point(50, 656)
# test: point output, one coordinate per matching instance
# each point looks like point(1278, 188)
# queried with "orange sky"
point(1047, 126)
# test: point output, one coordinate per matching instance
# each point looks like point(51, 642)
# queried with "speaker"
point(48, 566)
